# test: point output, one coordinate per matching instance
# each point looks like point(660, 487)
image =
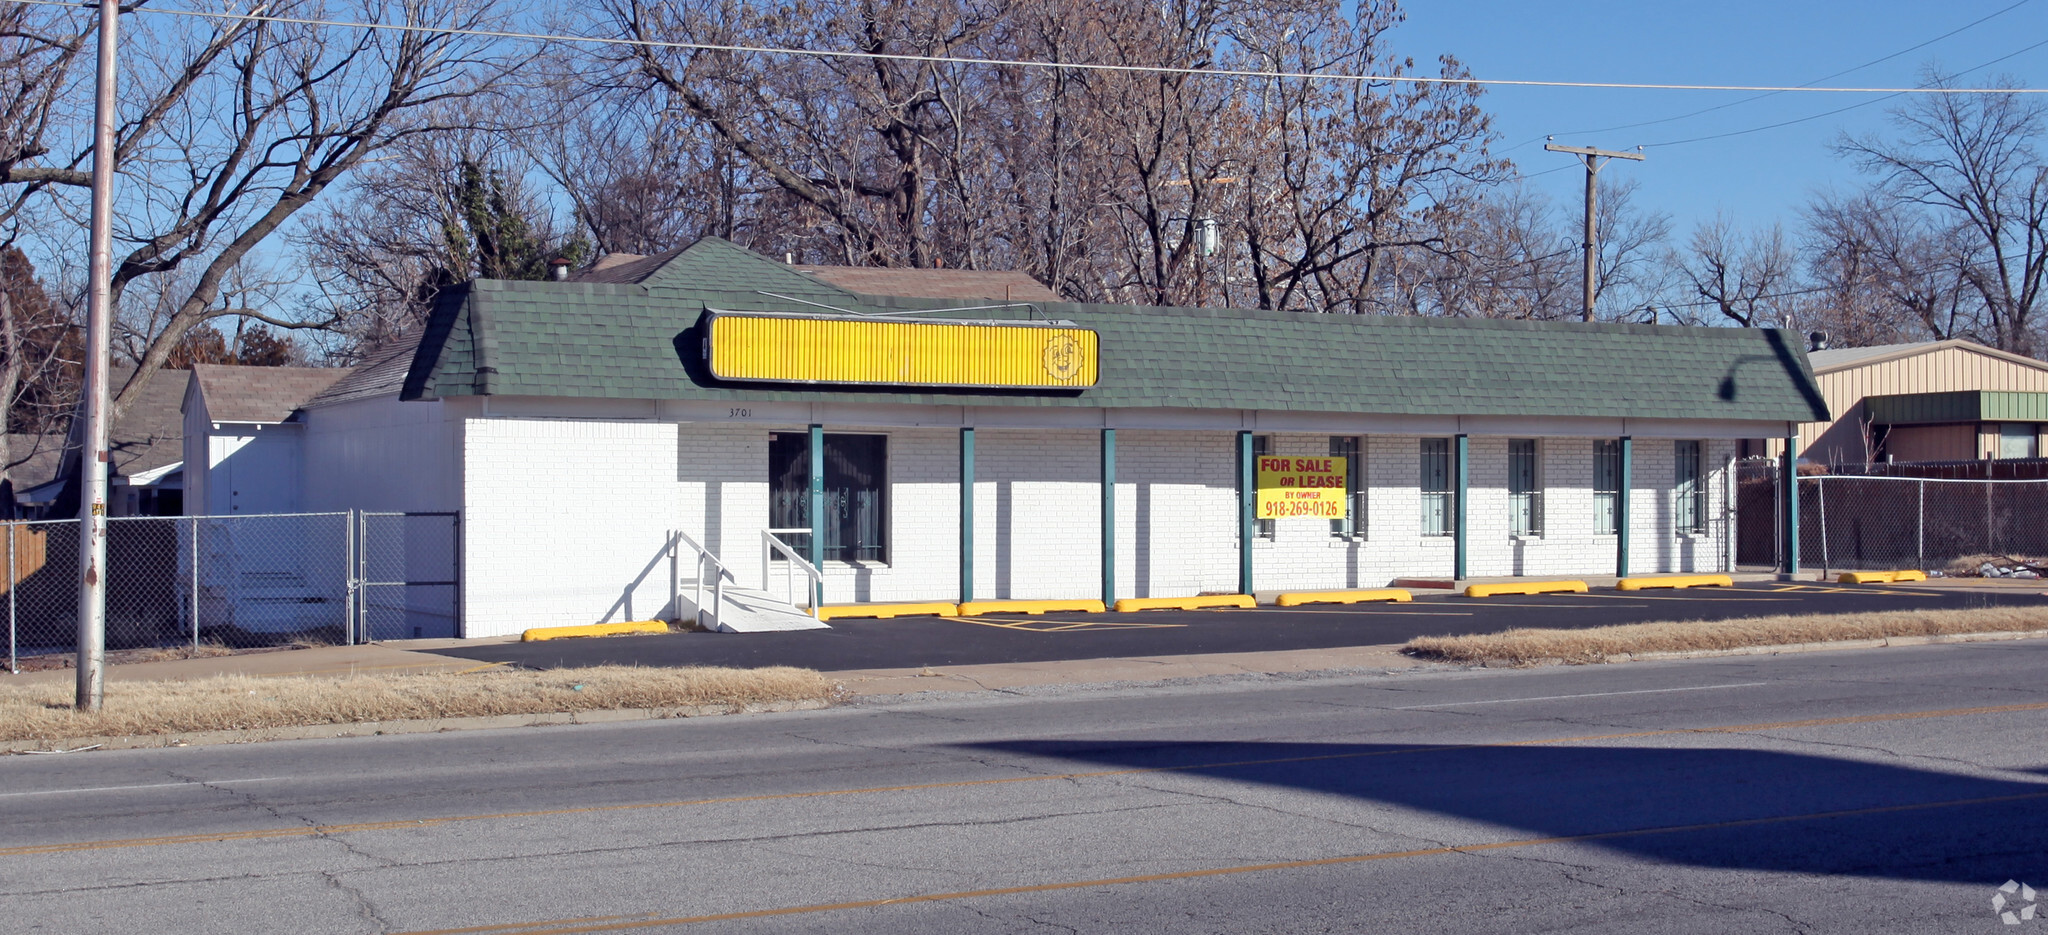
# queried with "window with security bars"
point(1607, 486)
point(856, 494)
point(1262, 445)
point(1688, 488)
point(1353, 523)
point(1525, 493)
point(1438, 503)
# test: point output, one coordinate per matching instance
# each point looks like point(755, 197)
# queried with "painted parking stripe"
point(1490, 602)
point(1642, 691)
point(1724, 597)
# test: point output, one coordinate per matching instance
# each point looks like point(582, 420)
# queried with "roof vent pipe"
point(1817, 341)
point(558, 269)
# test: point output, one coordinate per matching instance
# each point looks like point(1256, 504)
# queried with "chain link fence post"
point(13, 585)
point(192, 595)
point(1920, 529)
point(352, 598)
point(1777, 517)
point(1820, 487)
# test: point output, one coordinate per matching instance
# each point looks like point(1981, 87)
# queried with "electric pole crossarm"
point(1590, 151)
point(1591, 157)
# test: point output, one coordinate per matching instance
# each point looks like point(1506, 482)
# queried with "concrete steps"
point(748, 610)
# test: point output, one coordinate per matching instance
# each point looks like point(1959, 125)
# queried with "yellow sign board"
point(888, 352)
point(1299, 486)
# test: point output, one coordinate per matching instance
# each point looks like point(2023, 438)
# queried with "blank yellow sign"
point(807, 349)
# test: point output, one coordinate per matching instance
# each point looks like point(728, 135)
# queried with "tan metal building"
point(1931, 401)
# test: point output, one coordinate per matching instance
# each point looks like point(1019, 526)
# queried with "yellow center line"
point(622, 923)
point(416, 823)
point(1057, 625)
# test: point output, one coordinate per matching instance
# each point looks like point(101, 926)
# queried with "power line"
point(1016, 63)
point(1876, 61)
point(1786, 123)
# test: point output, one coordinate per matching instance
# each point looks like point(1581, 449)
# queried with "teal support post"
point(1625, 485)
point(817, 508)
point(1790, 475)
point(1460, 467)
point(966, 515)
point(1109, 517)
point(1247, 512)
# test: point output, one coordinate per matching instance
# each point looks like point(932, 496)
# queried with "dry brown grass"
point(1529, 646)
point(43, 712)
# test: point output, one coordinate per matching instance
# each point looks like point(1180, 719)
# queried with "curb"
point(419, 726)
point(1879, 643)
point(1767, 650)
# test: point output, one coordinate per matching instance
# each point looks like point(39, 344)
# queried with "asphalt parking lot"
point(907, 642)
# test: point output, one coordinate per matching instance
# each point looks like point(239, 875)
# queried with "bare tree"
point(1885, 275)
point(1633, 249)
point(1152, 187)
point(435, 211)
point(1967, 167)
point(231, 128)
point(1747, 279)
point(38, 49)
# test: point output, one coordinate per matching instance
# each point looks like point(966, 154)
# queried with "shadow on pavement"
point(1723, 808)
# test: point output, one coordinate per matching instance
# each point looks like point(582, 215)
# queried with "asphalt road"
point(1848, 792)
point(907, 642)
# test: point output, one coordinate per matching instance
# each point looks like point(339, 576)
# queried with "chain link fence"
point(1882, 523)
point(201, 583)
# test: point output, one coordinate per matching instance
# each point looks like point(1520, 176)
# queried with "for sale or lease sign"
point(1294, 486)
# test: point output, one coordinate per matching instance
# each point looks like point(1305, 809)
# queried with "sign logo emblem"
point(1062, 357)
point(2013, 911)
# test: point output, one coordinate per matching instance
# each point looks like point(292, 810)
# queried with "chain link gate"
point(408, 581)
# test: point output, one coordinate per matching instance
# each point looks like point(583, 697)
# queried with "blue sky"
point(1756, 178)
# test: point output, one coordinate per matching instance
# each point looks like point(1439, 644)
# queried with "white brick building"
point(574, 424)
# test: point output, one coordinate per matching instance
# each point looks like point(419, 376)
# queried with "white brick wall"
point(565, 520)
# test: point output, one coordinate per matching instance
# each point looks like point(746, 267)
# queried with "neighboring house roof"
point(263, 395)
point(995, 286)
point(622, 267)
point(151, 432)
point(382, 373)
point(1834, 359)
point(641, 341)
point(43, 454)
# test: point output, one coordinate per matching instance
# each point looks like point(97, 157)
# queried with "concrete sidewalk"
point(410, 656)
point(335, 661)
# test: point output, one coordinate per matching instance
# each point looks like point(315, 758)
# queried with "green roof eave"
point(1958, 406)
point(640, 341)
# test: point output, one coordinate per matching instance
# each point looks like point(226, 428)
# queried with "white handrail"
point(678, 539)
point(770, 545)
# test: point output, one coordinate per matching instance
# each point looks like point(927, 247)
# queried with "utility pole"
point(92, 453)
point(1591, 157)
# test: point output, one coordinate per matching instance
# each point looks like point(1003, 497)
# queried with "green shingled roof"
point(641, 341)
